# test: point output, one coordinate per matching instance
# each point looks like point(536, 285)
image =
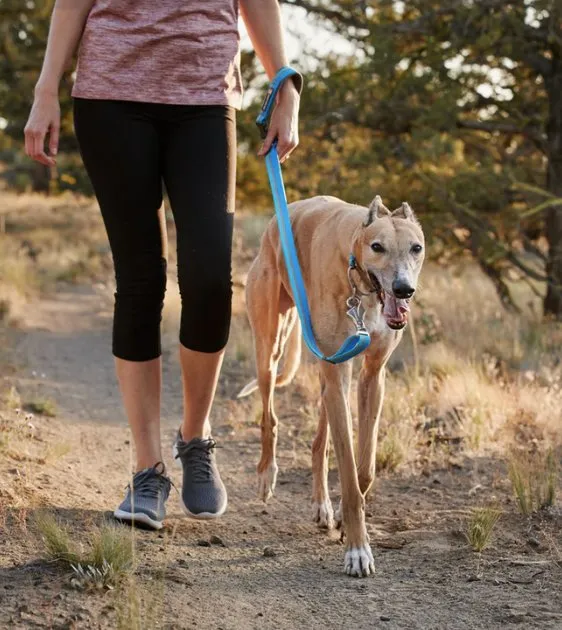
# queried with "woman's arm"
point(263, 22)
point(67, 24)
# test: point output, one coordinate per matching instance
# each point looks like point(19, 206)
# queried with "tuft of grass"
point(59, 546)
point(480, 525)
point(534, 479)
point(112, 544)
point(137, 606)
point(107, 560)
point(43, 407)
point(390, 452)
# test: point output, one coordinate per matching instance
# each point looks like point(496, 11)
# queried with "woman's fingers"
point(287, 140)
point(38, 149)
point(44, 118)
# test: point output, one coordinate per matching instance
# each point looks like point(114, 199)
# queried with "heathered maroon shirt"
point(161, 51)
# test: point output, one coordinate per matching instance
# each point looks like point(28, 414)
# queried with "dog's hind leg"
point(358, 556)
point(272, 320)
point(322, 511)
point(370, 394)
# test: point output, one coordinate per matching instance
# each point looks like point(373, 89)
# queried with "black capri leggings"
point(129, 149)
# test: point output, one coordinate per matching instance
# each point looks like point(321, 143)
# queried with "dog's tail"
point(292, 356)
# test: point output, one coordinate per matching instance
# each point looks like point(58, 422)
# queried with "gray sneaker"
point(203, 494)
point(144, 504)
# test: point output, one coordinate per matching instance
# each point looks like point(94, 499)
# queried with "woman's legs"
point(126, 148)
point(199, 164)
point(121, 152)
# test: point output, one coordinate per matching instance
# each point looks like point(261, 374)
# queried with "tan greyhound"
point(389, 250)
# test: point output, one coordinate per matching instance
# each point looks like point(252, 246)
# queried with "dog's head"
point(391, 249)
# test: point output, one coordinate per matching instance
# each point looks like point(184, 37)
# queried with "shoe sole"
point(202, 516)
point(137, 519)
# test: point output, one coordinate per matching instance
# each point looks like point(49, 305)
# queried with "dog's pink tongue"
point(395, 309)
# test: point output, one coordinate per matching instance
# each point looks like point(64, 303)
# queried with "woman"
point(156, 91)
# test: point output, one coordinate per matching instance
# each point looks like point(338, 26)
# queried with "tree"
point(433, 78)
point(24, 28)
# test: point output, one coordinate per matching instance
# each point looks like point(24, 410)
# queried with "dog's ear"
point(404, 212)
point(376, 209)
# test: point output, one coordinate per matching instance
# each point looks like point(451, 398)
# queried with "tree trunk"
point(553, 299)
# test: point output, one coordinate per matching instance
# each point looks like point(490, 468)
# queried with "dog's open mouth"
point(394, 310)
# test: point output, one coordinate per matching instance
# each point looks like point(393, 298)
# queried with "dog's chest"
point(374, 320)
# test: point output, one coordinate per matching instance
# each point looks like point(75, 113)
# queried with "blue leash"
point(358, 342)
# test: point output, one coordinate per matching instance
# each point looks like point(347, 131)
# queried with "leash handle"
point(262, 121)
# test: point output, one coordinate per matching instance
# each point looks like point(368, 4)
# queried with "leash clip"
point(356, 312)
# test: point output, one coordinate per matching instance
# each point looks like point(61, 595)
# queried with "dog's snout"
point(402, 289)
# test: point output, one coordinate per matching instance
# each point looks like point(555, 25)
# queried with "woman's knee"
point(206, 312)
point(138, 281)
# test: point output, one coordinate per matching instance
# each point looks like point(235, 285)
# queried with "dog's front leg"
point(370, 394)
point(358, 556)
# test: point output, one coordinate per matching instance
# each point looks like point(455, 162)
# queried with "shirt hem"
point(194, 98)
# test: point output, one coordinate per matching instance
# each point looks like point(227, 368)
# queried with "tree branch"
point(329, 14)
point(492, 127)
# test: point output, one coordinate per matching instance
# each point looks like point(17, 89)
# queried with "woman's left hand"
point(284, 123)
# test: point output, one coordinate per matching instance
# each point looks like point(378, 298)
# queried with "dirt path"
point(427, 576)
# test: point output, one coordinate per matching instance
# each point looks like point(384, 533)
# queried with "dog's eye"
point(377, 247)
point(416, 249)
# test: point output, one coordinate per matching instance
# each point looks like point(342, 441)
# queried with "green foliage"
point(23, 35)
point(456, 104)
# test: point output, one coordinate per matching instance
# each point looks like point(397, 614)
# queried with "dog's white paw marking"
point(338, 517)
point(323, 514)
point(266, 482)
point(359, 561)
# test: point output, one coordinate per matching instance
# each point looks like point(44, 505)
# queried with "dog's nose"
point(402, 290)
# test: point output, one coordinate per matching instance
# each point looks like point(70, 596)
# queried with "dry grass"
point(534, 479)
point(16, 428)
point(480, 526)
point(488, 381)
point(101, 561)
point(47, 240)
point(390, 451)
point(138, 606)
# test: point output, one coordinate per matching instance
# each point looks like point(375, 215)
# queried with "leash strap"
point(353, 345)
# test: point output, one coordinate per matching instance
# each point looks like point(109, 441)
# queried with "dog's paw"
point(338, 517)
point(323, 514)
point(266, 482)
point(359, 561)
